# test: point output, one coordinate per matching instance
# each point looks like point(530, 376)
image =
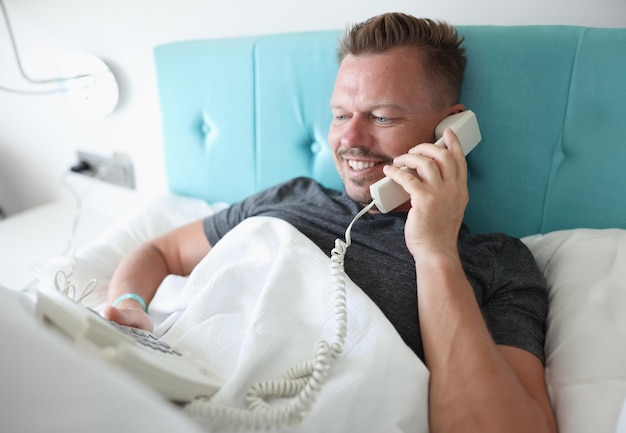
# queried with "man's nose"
point(355, 133)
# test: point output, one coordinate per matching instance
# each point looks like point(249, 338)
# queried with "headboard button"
point(206, 128)
point(315, 147)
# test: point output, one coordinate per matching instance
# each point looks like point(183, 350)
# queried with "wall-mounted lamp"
point(89, 84)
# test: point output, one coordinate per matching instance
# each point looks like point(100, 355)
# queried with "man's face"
point(381, 108)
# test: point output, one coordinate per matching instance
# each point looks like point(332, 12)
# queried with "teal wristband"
point(131, 296)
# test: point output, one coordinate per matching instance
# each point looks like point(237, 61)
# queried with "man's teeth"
point(360, 165)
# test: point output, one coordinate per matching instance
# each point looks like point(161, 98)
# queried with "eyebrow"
point(376, 107)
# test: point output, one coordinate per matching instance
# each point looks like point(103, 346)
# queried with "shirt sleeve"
point(512, 294)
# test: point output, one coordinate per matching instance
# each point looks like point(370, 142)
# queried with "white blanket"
point(257, 305)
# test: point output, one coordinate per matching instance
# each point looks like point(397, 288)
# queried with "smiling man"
point(382, 108)
point(472, 307)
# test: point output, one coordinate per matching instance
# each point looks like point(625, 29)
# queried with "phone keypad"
point(147, 339)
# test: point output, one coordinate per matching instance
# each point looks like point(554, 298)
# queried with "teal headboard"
point(242, 114)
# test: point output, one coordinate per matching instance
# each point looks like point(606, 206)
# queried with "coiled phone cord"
point(303, 382)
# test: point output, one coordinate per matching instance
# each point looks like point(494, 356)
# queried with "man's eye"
point(381, 119)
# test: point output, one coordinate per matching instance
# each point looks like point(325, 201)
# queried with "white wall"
point(39, 135)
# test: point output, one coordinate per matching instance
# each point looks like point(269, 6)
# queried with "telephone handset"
point(388, 195)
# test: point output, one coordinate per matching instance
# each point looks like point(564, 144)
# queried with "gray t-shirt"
point(509, 288)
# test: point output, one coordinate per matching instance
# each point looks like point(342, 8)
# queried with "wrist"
point(130, 300)
point(437, 260)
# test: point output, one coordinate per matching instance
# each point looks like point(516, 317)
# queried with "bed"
point(242, 114)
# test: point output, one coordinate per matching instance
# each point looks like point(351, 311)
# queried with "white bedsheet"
point(257, 304)
point(585, 350)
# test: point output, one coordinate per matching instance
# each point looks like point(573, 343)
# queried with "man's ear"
point(456, 108)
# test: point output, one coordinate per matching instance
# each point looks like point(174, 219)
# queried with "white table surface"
point(38, 234)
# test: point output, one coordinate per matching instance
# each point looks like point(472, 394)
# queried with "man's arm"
point(475, 385)
point(143, 269)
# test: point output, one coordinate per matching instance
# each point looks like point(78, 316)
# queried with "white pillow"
point(99, 259)
point(586, 336)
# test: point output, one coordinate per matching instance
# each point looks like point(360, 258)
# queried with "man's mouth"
point(358, 165)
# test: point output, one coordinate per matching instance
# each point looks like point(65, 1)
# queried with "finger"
point(452, 142)
point(426, 149)
point(429, 166)
point(457, 151)
point(449, 155)
point(129, 317)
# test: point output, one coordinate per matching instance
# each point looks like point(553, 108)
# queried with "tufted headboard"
point(242, 114)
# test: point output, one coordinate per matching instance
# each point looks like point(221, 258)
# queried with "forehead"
point(395, 76)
